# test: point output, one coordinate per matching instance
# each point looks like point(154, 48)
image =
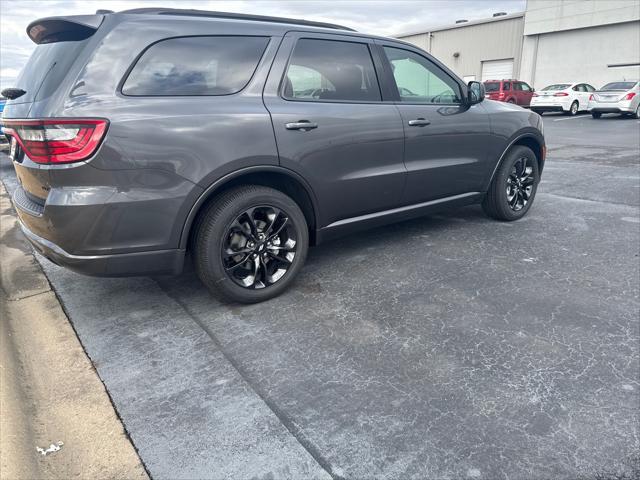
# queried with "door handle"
point(301, 125)
point(419, 122)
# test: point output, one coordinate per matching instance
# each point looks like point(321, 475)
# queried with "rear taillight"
point(501, 95)
point(57, 140)
point(629, 96)
point(561, 94)
point(591, 97)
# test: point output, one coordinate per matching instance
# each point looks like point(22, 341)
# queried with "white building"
point(593, 41)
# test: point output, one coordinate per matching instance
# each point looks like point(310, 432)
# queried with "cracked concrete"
point(447, 347)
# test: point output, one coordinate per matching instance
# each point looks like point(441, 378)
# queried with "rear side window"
point(506, 86)
point(196, 66)
point(331, 70)
point(492, 86)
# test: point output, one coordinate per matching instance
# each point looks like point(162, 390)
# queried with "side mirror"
point(475, 92)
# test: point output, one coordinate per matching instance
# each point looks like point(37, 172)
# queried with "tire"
point(512, 101)
point(240, 220)
point(573, 109)
point(636, 115)
point(496, 203)
point(596, 114)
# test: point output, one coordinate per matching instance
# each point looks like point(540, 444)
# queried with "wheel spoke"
point(238, 264)
point(279, 229)
point(269, 229)
point(279, 258)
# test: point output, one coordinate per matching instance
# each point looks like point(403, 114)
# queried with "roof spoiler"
point(63, 29)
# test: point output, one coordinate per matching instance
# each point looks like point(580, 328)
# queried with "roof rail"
point(231, 15)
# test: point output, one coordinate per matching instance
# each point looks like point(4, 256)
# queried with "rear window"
point(196, 66)
point(492, 86)
point(46, 68)
point(557, 86)
point(619, 86)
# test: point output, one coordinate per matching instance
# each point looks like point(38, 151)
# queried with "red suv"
point(510, 91)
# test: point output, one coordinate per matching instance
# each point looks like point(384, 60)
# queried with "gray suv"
point(142, 136)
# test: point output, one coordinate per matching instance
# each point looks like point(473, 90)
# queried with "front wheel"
point(514, 185)
point(250, 243)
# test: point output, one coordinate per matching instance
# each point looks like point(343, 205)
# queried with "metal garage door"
point(497, 69)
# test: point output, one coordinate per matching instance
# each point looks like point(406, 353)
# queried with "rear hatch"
point(59, 41)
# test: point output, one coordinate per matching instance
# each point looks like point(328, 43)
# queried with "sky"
point(388, 18)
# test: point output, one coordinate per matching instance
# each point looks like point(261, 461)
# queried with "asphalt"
point(452, 346)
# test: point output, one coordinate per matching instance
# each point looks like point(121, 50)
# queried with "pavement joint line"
point(289, 424)
point(620, 204)
point(17, 299)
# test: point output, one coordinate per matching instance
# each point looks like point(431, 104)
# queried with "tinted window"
point(196, 66)
point(524, 87)
point(419, 80)
point(619, 86)
point(506, 86)
point(331, 70)
point(491, 86)
point(589, 87)
point(46, 68)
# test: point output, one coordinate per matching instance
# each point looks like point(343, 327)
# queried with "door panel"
point(445, 141)
point(353, 155)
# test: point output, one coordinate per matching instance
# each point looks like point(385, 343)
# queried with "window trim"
point(135, 61)
point(364, 41)
point(392, 81)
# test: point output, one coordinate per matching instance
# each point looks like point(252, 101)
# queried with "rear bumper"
point(612, 109)
point(117, 265)
point(546, 108)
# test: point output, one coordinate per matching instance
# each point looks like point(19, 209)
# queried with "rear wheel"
point(250, 244)
point(573, 109)
point(514, 185)
point(596, 114)
point(511, 100)
point(636, 114)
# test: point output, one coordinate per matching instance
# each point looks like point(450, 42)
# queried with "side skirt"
point(377, 219)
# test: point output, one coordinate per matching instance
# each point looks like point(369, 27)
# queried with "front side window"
point(331, 70)
point(196, 66)
point(419, 80)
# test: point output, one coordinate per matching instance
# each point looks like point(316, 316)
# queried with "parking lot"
point(451, 346)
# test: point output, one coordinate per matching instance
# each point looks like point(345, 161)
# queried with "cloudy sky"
point(386, 17)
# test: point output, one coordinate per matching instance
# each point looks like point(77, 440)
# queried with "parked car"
point(569, 98)
point(3, 139)
point(616, 97)
point(282, 134)
point(510, 91)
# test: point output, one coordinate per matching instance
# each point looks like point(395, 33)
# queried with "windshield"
point(557, 86)
point(618, 86)
point(492, 86)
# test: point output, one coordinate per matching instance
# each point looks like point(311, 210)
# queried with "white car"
point(569, 98)
point(616, 97)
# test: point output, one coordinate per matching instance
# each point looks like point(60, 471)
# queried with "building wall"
point(582, 55)
point(544, 16)
point(475, 43)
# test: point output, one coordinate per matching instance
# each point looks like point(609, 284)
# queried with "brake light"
point(591, 97)
point(561, 94)
point(64, 140)
point(501, 95)
point(630, 96)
